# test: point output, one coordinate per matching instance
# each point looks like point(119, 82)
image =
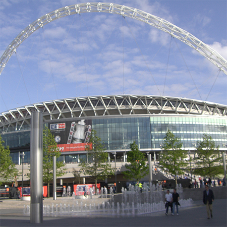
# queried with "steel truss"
point(121, 105)
point(125, 11)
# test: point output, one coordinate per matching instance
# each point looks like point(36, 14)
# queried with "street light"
point(189, 154)
point(223, 157)
point(115, 154)
point(22, 155)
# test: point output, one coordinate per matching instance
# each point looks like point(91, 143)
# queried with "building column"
point(36, 171)
point(108, 157)
point(150, 167)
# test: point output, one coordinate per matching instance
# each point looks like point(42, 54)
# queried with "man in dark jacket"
point(208, 198)
point(175, 200)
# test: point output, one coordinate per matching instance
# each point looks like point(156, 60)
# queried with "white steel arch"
point(125, 11)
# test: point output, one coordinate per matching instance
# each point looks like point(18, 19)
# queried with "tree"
point(8, 170)
point(76, 174)
point(137, 168)
point(172, 156)
point(50, 150)
point(208, 160)
point(97, 166)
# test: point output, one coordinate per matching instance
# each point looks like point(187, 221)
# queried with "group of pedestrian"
point(172, 201)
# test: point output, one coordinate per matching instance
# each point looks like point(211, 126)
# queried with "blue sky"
point(105, 54)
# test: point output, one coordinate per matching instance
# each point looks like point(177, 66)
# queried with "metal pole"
point(150, 168)
point(54, 178)
point(190, 169)
point(22, 174)
point(189, 153)
point(224, 165)
point(115, 171)
point(36, 171)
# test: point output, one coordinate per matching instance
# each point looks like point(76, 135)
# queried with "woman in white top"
point(168, 200)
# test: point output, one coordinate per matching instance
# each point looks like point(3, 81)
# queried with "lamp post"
point(224, 164)
point(150, 167)
point(115, 154)
point(22, 156)
point(189, 154)
point(54, 178)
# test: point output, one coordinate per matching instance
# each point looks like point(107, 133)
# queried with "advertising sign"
point(72, 135)
point(26, 191)
point(80, 189)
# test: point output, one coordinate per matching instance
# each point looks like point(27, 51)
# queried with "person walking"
point(175, 200)
point(208, 198)
point(168, 201)
point(223, 182)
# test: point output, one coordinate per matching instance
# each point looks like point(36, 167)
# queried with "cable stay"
point(51, 68)
point(4, 102)
point(188, 70)
point(103, 46)
point(213, 84)
point(9, 94)
point(143, 56)
point(123, 53)
point(204, 82)
point(85, 63)
point(22, 75)
point(167, 65)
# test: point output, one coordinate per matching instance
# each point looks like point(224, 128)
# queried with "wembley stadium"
point(118, 120)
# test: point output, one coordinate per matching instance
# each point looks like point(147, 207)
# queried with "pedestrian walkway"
point(191, 216)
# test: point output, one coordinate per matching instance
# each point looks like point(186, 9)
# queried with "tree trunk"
point(48, 189)
point(95, 186)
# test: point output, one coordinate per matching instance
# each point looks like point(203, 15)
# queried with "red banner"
point(74, 147)
point(26, 191)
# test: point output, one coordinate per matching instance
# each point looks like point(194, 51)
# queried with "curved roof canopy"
point(114, 105)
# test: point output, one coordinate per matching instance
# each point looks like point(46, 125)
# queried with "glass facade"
point(71, 158)
point(189, 129)
point(117, 133)
point(17, 139)
point(17, 159)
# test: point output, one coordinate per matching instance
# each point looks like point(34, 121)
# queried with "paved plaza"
point(12, 215)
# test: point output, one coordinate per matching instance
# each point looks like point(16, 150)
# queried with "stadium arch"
point(125, 11)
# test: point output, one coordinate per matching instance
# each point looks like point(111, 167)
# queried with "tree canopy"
point(50, 149)
point(172, 156)
point(97, 166)
point(208, 160)
point(137, 169)
point(8, 170)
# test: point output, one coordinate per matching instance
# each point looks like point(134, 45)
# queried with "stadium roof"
point(109, 105)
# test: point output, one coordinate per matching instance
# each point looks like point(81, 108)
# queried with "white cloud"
point(221, 49)
point(9, 31)
point(4, 3)
point(202, 19)
point(157, 36)
point(54, 33)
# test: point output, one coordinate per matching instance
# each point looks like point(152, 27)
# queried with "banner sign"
point(74, 147)
point(72, 135)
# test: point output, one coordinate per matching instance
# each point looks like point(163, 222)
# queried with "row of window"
point(144, 130)
point(191, 120)
point(188, 127)
point(73, 158)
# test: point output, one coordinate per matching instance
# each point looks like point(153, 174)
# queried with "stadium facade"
point(118, 120)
